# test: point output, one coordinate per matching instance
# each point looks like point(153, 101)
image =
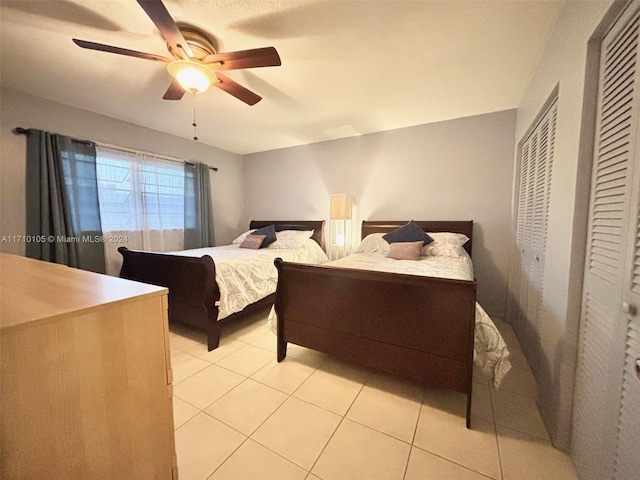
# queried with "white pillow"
point(291, 239)
point(240, 238)
point(374, 243)
point(445, 244)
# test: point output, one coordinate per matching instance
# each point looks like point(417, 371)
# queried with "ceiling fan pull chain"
point(195, 133)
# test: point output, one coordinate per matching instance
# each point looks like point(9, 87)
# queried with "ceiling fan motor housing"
point(200, 44)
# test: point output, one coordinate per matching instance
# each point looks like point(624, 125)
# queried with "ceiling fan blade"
point(257, 57)
point(237, 90)
point(160, 16)
point(121, 51)
point(174, 92)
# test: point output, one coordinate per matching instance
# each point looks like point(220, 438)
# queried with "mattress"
point(245, 276)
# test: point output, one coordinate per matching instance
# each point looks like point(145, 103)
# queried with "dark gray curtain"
point(198, 214)
point(63, 212)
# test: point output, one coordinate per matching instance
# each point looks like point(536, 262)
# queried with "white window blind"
point(138, 191)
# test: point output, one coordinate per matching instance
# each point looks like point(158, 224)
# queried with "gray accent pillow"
point(270, 232)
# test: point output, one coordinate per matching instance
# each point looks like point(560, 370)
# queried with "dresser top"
point(33, 290)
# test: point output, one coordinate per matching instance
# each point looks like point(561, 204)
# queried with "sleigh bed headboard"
point(454, 226)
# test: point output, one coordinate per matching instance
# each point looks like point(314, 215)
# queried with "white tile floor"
point(240, 415)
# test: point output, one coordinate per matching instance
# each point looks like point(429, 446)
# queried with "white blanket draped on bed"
point(490, 350)
point(245, 276)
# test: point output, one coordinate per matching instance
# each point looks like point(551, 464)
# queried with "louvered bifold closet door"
point(523, 237)
point(627, 455)
point(536, 161)
point(604, 329)
point(539, 188)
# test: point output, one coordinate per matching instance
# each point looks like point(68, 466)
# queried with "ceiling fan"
point(194, 63)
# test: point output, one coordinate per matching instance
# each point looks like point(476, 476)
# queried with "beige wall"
point(23, 110)
point(563, 64)
point(454, 170)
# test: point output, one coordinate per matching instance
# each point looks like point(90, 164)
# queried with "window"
point(139, 191)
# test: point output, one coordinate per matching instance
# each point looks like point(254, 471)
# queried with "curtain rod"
point(24, 131)
point(157, 155)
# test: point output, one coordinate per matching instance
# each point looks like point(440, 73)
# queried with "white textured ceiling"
point(348, 67)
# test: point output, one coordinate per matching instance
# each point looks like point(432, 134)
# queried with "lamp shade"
point(340, 206)
point(191, 76)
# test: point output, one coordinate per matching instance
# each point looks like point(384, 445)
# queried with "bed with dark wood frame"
point(421, 328)
point(193, 291)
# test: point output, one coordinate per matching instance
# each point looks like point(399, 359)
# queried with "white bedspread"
point(490, 351)
point(245, 276)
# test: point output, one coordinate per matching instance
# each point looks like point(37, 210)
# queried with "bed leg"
point(282, 350)
point(213, 336)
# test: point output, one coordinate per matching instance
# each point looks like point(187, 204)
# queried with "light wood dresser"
point(86, 381)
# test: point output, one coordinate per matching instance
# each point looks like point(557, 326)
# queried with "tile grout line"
point(415, 431)
point(454, 463)
point(517, 429)
point(289, 396)
point(495, 429)
point(226, 459)
point(247, 437)
point(337, 427)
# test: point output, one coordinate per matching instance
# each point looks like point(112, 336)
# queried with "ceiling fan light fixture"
point(192, 76)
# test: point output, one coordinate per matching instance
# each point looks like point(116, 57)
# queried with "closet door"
point(606, 398)
point(627, 454)
point(627, 458)
point(523, 235)
point(536, 161)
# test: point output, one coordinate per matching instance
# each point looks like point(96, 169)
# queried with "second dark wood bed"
point(193, 290)
point(421, 328)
